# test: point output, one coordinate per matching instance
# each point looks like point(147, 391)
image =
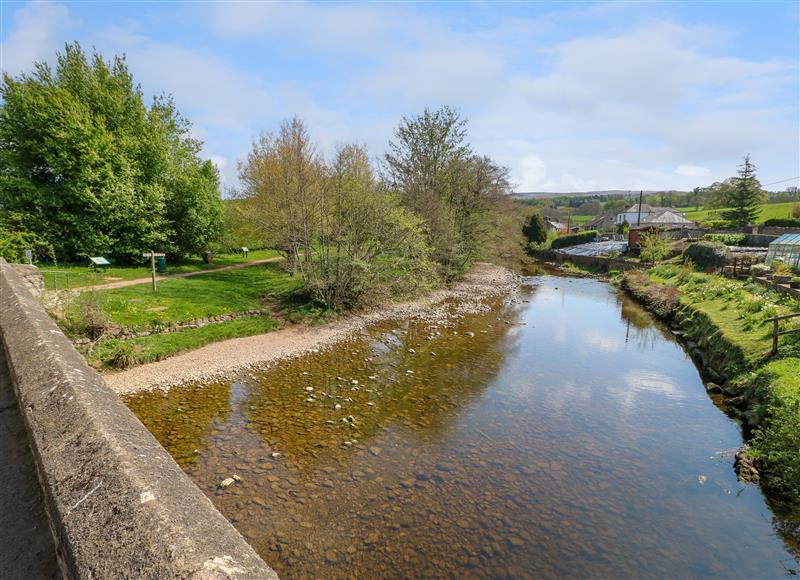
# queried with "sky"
point(570, 96)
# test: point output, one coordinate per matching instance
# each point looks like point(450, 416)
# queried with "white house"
point(653, 216)
point(632, 216)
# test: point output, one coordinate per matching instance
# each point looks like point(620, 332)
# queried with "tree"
point(745, 197)
point(283, 179)
point(344, 233)
point(717, 195)
point(652, 246)
point(95, 171)
point(455, 192)
point(534, 230)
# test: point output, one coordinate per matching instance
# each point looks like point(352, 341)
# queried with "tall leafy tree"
point(454, 191)
point(92, 169)
point(745, 196)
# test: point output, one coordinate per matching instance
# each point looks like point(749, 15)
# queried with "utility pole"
point(639, 216)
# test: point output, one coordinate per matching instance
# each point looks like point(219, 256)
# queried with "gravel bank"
point(225, 359)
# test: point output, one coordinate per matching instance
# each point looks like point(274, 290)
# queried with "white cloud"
point(34, 35)
point(656, 105)
point(692, 171)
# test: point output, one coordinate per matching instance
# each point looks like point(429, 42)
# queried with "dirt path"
point(149, 279)
point(26, 544)
point(225, 359)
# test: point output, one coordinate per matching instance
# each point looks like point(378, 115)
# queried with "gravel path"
point(149, 279)
point(225, 359)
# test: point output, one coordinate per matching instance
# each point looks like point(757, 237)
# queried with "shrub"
point(783, 223)
point(706, 255)
point(715, 224)
point(759, 269)
point(653, 247)
point(123, 355)
point(534, 229)
point(574, 239)
point(85, 316)
point(781, 269)
point(727, 239)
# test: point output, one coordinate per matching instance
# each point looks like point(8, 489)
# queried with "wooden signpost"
point(153, 256)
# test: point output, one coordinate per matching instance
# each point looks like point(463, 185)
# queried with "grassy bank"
point(80, 275)
point(767, 211)
point(156, 347)
point(727, 326)
point(267, 288)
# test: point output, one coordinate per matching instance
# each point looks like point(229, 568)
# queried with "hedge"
point(706, 255)
point(783, 223)
point(574, 239)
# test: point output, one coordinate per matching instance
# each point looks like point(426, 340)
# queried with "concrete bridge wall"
point(118, 504)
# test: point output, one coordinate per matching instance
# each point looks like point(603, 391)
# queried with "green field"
point(579, 220)
point(80, 275)
point(266, 287)
point(212, 294)
point(768, 211)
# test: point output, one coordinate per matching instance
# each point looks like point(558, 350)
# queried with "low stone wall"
point(118, 504)
point(31, 276)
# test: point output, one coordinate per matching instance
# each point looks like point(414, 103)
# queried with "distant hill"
point(604, 193)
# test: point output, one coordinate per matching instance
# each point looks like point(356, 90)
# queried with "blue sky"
point(571, 96)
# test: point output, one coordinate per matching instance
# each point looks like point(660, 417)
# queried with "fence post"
point(774, 336)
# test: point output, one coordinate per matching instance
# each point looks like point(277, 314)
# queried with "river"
point(564, 432)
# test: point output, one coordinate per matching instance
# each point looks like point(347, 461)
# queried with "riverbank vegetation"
point(729, 320)
point(355, 236)
point(185, 313)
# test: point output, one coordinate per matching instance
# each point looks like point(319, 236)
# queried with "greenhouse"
point(785, 249)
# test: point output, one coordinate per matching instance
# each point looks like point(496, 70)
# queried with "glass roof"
point(789, 239)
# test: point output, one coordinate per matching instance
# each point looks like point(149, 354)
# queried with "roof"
point(666, 216)
point(555, 224)
point(99, 261)
point(605, 219)
point(787, 239)
point(645, 207)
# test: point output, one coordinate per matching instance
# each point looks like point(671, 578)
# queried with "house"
point(664, 217)
point(554, 225)
point(602, 223)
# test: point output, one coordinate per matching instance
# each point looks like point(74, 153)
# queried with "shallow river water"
point(562, 433)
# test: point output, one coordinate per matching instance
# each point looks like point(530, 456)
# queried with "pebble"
point(227, 482)
point(375, 450)
point(309, 389)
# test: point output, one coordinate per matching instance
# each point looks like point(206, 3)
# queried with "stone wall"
point(31, 276)
point(118, 504)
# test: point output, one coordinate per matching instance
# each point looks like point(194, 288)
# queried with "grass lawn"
point(739, 309)
point(768, 211)
point(579, 220)
point(79, 275)
point(159, 346)
point(212, 294)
